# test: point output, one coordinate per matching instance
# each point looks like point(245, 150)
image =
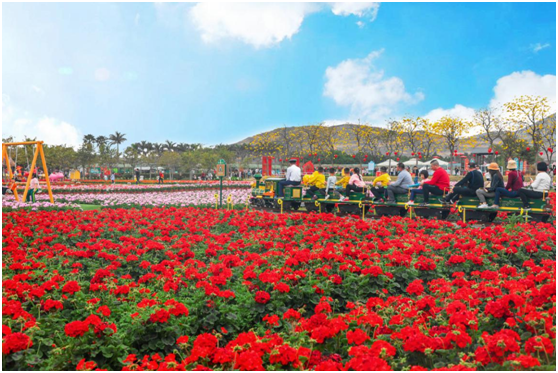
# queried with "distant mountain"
point(349, 148)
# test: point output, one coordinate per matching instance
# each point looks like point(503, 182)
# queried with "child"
point(316, 181)
point(423, 175)
point(356, 184)
point(380, 184)
point(331, 181)
point(341, 185)
point(33, 188)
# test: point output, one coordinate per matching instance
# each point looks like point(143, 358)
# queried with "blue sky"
point(212, 73)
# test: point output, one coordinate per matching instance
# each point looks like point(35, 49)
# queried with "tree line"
point(523, 128)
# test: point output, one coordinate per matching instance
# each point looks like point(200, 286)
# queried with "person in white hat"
point(293, 177)
point(511, 190)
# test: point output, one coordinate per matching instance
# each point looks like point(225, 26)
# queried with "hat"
point(472, 165)
point(512, 165)
point(494, 166)
point(292, 160)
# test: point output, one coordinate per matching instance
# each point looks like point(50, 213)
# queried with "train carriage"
point(263, 197)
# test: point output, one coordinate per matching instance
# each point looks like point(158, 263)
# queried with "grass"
point(90, 207)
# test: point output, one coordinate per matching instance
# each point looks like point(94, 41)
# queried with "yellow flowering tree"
point(531, 114)
point(453, 130)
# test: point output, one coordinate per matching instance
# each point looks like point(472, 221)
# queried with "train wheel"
point(329, 207)
point(444, 214)
point(295, 206)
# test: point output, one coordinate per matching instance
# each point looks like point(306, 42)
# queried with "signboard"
point(221, 168)
point(371, 166)
point(95, 170)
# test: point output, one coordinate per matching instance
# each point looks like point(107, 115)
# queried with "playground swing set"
point(38, 150)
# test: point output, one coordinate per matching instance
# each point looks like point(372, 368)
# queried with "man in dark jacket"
point(466, 186)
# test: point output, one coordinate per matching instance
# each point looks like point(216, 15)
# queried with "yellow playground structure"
point(8, 162)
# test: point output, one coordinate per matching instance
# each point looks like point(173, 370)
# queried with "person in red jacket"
point(437, 185)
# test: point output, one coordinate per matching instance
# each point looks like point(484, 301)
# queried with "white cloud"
point(356, 83)
point(363, 10)
point(336, 122)
point(52, 131)
point(524, 83)
point(137, 19)
point(257, 24)
point(458, 111)
point(537, 47)
point(360, 24)
point(102, 74)
point(37, 90)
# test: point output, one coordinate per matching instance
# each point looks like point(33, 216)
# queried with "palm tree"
point(158, 148)
point(101, 140)
point(145, 147)
point(89, 139)
point(117, 138)
point(170, 145)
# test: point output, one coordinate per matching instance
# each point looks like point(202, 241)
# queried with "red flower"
point(86, 365)
point(182, 340)
point(415, 288)
point(249, 360)
point(357, 337)
point(15, 342)
point(76, 328)
point(262, 297)
point(282, 287)
point(539, 344)
point(71, 287)
point(161, 316)
point(104, 310)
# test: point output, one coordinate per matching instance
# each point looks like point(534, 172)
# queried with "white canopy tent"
point(413, 161)
point(441, 162)
point(386, 163)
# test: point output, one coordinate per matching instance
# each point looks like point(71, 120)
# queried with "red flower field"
point(201, 289)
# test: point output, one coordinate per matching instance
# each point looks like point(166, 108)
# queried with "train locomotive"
point(360, 204)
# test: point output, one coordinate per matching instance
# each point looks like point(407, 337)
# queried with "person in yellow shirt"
point(317, 182)
point(380, 184)
point(342, 183)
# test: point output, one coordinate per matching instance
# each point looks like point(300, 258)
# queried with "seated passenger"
point(423, 175)
point(539, 187)
point(380, 183)
point(496, 181)
point(330, 185)
point(317, 182)
point(437, 185)
point(356, 184)
point(341, 185)
point(291, 178)
point(515, 182)
point(467, 186)
point(401, 185)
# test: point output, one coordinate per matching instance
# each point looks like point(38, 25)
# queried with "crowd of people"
point(423, 183)
point(473, 184)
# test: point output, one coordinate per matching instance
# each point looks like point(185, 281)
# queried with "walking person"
point(496, 181)
point(112, 178)
point(514, 184)
point(137, 175)
point(161, 177)
point(33, 188)
point(538, 188)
